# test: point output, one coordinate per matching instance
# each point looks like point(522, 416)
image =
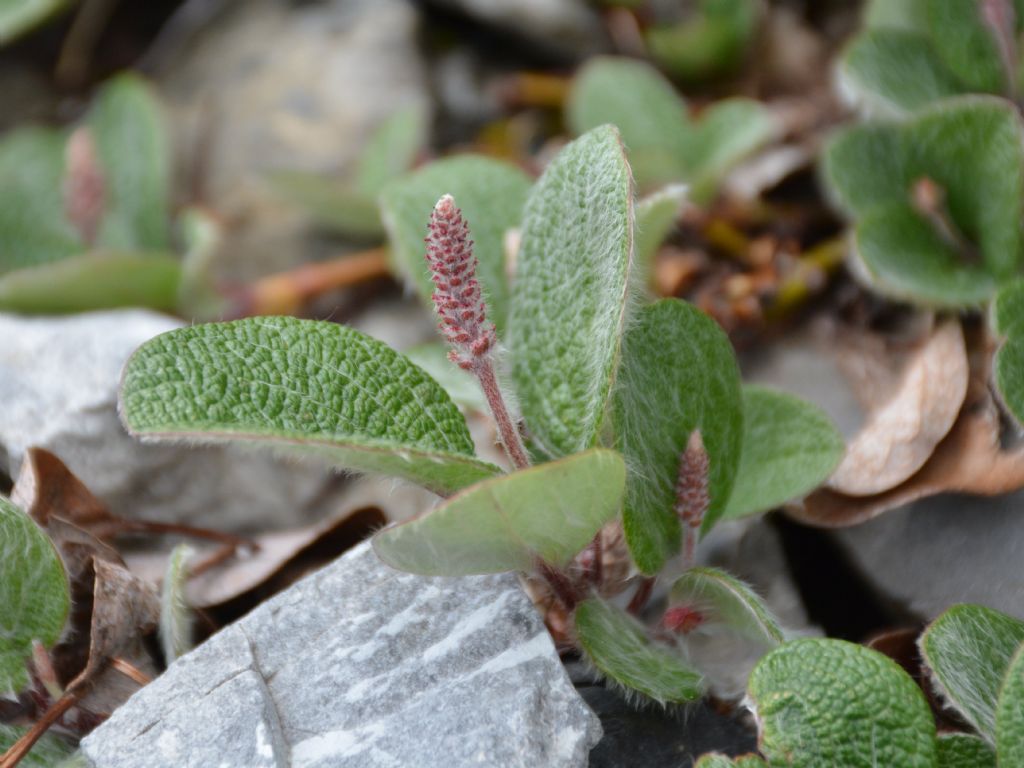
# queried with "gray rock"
point(944, 550)
point(276, 85)
point(366, 666)
point(58, 386)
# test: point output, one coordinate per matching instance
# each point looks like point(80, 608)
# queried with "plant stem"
point(561, 585)
point(483, 367)
point(641, 596)
point(23, 746)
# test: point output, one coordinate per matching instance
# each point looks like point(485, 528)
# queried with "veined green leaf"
point(964, 750)
point(966, 44)
point(619, 647)
point(789, 448)
point(1007, 317)
point(1009, 734)
point(549, 512)
point(724, 599)
point(302, 386)
point(461, 386)
point(127, 125)
point(968, 650)
point(491, 195)
point(678, 374)
point(826, 702)
point(571, 292)
point(34, 594)
point(716, 760)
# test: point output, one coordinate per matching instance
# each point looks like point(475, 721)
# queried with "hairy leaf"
point(549, 512)
point(391, 150)
point(175, 612)
point(34, 593)
point(33, 227)
point(619, 647)
point(967, 44)
point(656, 215)
point(717, 760)
point(789, 448)
point(571, 292)
point(678, 374)
point(461, 385)
point(102, 280)
point(643, 105)
point(724, 599)
point(826, 702)
point(963, 750)
point(303, 386)
point(331, 203)
point(968, 650)
point(711, 42)
point(1008, 364)
point(20, 16)
point(1009, 734)
point(491, 195)
point(127, 124)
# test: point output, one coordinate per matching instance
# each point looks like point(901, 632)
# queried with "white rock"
point(366, 666)
point(58, 385)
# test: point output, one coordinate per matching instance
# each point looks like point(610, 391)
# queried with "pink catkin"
point(457, 296)
point(692, 496)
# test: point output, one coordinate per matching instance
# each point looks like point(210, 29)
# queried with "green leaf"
point(391, 150)
point(656, 216)
point(33, 228)
point(724, 599)
point(897, 14)
point(963, 750)
point(93, 281)
point(678, 374)
point(968, 650)
point(127, 124)
point(18, 17)
point(643, 105)
point(551, 512)
point(789, 448)
point(461, 385)
point(967, 44)
point(1010, 713)
point(718, 760)
point(46, 753)
point(826, 702)
point(1008, 364)
point(491, 195)
point(619, 647)
point(302, 386)
point(331, 203)
point(175, 613)
point(711, 43)
point(726, 133)
point(897, 70)
point(33, 591)
point(904, 257)
point(571, 292)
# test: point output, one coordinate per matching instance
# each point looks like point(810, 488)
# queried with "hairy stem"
point(483, 367)
point(561, 585)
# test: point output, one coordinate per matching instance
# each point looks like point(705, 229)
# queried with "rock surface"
point(360, 665)
point(58, 384)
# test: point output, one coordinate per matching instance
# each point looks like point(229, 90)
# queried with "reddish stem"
point(483, 367)
point(641, 596)
point(561, 585)
point(22, 746)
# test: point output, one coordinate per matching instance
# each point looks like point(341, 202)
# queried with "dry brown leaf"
point(969, 460)
point(46, 486)
point(902, 434)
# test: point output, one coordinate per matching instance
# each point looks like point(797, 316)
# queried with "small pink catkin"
point(457, 296)
point(692, 499)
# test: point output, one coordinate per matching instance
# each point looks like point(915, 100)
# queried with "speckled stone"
point(364, 666)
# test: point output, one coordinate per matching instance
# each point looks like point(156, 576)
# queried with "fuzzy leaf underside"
point(724, 599)
point(461, 385)
point(133, 150)
point(551, 511)
point(48, 752)
point(971, 148)
point(175, 613)
point(330, 203)
point(491, 195)
point(642, 104)
point(92, 281)
point(678, 374)
point(34, 594)
point(822, 702)
point(618, 646)
point(1010, 713)
point(968, 650)
point(964, 750)
point(33, 227)
point(789, 448)
point(571, 292)
point(302, 386)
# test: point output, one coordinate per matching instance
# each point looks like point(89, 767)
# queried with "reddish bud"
point(692, 498)
point(682, 619)
point(84, 187)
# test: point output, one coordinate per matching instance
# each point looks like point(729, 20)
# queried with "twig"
point(23, 745)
